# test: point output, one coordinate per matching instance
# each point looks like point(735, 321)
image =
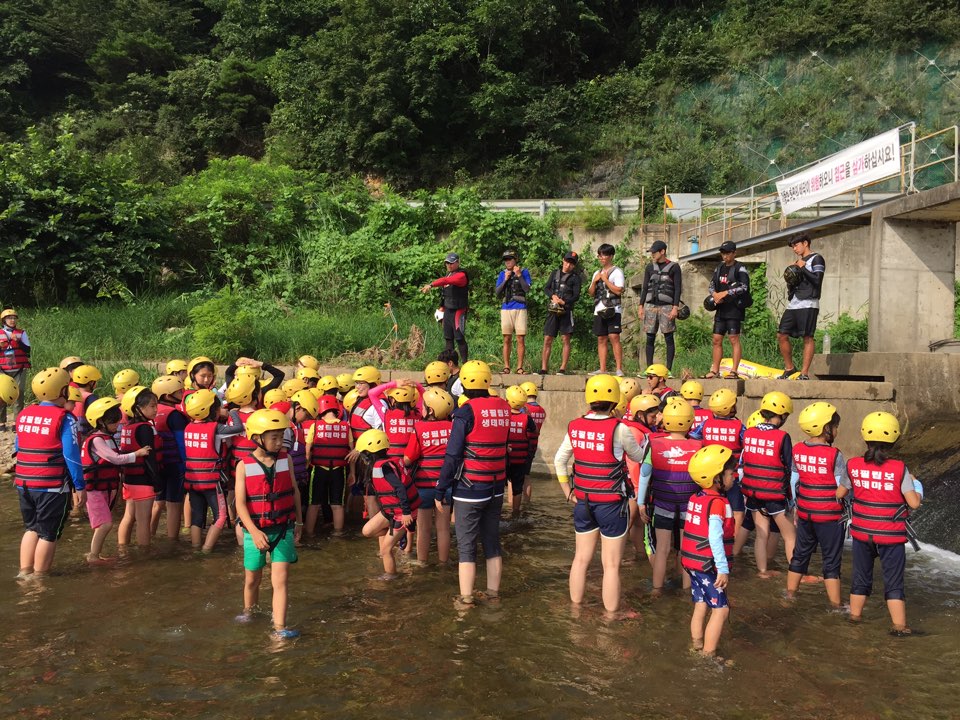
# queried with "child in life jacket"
point(819, 469)
point(240, 395)
point(664, 474)
point(123, 381)
point(301, 410)
point(425, 451)
point(764, 470)
point(706, 546)
point(329, 442)
point(85, 379)
point(884, 493)
point(521, 445)
point(102, 462)
point(539, 415)
point(177, 368)
point(692, 392)
point(642, 419)
point(657, 375)
point(344, 384)
point(395, 492)
point(170, 423)
point(206, 470)
point(268, 504)
point(141, 479)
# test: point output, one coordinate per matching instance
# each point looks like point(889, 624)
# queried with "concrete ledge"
point(821, 389)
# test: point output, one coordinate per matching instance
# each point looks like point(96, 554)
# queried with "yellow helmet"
point(692, 390)
point(440, 401)
point(70, 360)
point(48, 385)
point(475, 375)
point(274, 396)
point(9, 392)
point(199, 404)
point(293, 386)
point(755, 419)
point(462, 400)
point(602, 388)
point(880, 427)
point(260, 421)
point(309, 361)
point(124, 380)
point(315, 391)
point(436, 372)
point(85, 374)
point(175, 366)
point(402, 394)
point(815, 417)
point(707, 463)
point(98, 408)
point(199, 360)
point(621, 407)
point(166, 385)
point(188, 383)
point(777, 402)
point(368, 374)
point(677, 416)
point(345, 382)
point(307, 401)
point(529, 388)
point(7, 313)
point(307, 373)
point(248, 371)
point(328, 383)
point(129, 398)
point(722, 402)
point(629, 388)
point(241, 389)
point(516, 397)
point(372, 441)
point(657, 369)
point(350, 400)
point(644, 403)
point(73, 394)
point(492, 392)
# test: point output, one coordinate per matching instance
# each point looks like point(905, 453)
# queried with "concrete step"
point(821, 389)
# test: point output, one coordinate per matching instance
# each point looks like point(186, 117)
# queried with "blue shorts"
point(702, 590)
point(735, 496)
point(610, 518)
point(893, 560)
point(428, 496)
point(173, 491)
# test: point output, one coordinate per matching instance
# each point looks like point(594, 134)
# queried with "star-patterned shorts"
point(702, 589)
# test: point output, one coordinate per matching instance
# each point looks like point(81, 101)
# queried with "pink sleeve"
point(375, 394)
point(112, 456)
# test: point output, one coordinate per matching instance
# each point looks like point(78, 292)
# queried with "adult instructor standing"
point(14, 357)
point(804, 282)
point(513, 284)
point(662, 283)
point(454, 293)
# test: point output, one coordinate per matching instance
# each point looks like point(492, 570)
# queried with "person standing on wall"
point(513, 284)
point(455, 288)
point(562, 291)
point(606, 288)
point(14, 357)
point(804, 284)
point(729, 297)
point(662, 283)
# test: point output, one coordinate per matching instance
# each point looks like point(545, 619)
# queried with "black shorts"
point(829, 536)
point(200, 500)
point(516, 474)
point(327, 486)
point(893, 560)
point(672, 524)
point(727, 326)
point(561, 324)
point(172, 491)
point(602, 327)
point(44, 513)
point(765, 507)
point(799, 323)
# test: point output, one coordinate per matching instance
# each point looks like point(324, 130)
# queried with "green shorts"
point(254, 559)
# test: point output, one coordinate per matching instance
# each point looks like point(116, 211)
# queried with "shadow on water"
point(153, 636)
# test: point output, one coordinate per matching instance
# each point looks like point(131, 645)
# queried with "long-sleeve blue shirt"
point(715, 530)
point(71, 450)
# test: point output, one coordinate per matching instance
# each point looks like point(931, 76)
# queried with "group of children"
point(660, 469)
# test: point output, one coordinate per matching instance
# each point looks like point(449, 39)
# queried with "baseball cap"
point(510, 254)
point(658, 246)
point(452, 258)
point(728, 246)
point(571, 257)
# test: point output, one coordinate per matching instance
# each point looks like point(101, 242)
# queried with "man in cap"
point(662, 284)
point(803, 306)
point(455, 287)
point(562, 291)
point(730, 296)
point(513, 283)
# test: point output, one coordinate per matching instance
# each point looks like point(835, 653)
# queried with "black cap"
point(571, 257)
point(658, 246)
point(728, 246)
point(510, 254)
point(452, 258)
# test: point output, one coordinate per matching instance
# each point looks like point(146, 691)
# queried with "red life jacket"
point(432, 437)
point(331, 444)
point(270, 502)
point(641, 434)
point(817, 485)
point(40, 461)
point(598, 476)
point(99, 474)
point(695, 552)
point(485, 451)
point(764, 476)
point(879, 509)
point(398, 424)
point(136, 472)
point(205, 466)
point(298, 453)
point(519, 440)
point(725, 432)
point(670, 482)
point(167, 452)
point(660, 392)
point(182, 407)
point(242, 447)
point(80, 407)
point(13, 340)
point(385, 492)
point(358, 426)
point(700, 416)
point(538, 414)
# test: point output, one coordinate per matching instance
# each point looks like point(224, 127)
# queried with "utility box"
point(683, 206)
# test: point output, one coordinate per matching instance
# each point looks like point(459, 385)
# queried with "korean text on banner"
point(873, 159)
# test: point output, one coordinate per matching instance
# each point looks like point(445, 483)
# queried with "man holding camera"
point(662, 284)
point(804, 281)
point(513, 283)
point(562, 291)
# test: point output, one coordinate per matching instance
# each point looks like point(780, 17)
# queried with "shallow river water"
point(153, 636)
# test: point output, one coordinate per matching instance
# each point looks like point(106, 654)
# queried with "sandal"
point(712, 375)
point(521, 371)
point(506, 371)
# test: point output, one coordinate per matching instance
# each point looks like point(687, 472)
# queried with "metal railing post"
point(956, 152)
point(913, 155)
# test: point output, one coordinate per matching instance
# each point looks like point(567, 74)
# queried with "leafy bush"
point(222, 326)
point(847, 334)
